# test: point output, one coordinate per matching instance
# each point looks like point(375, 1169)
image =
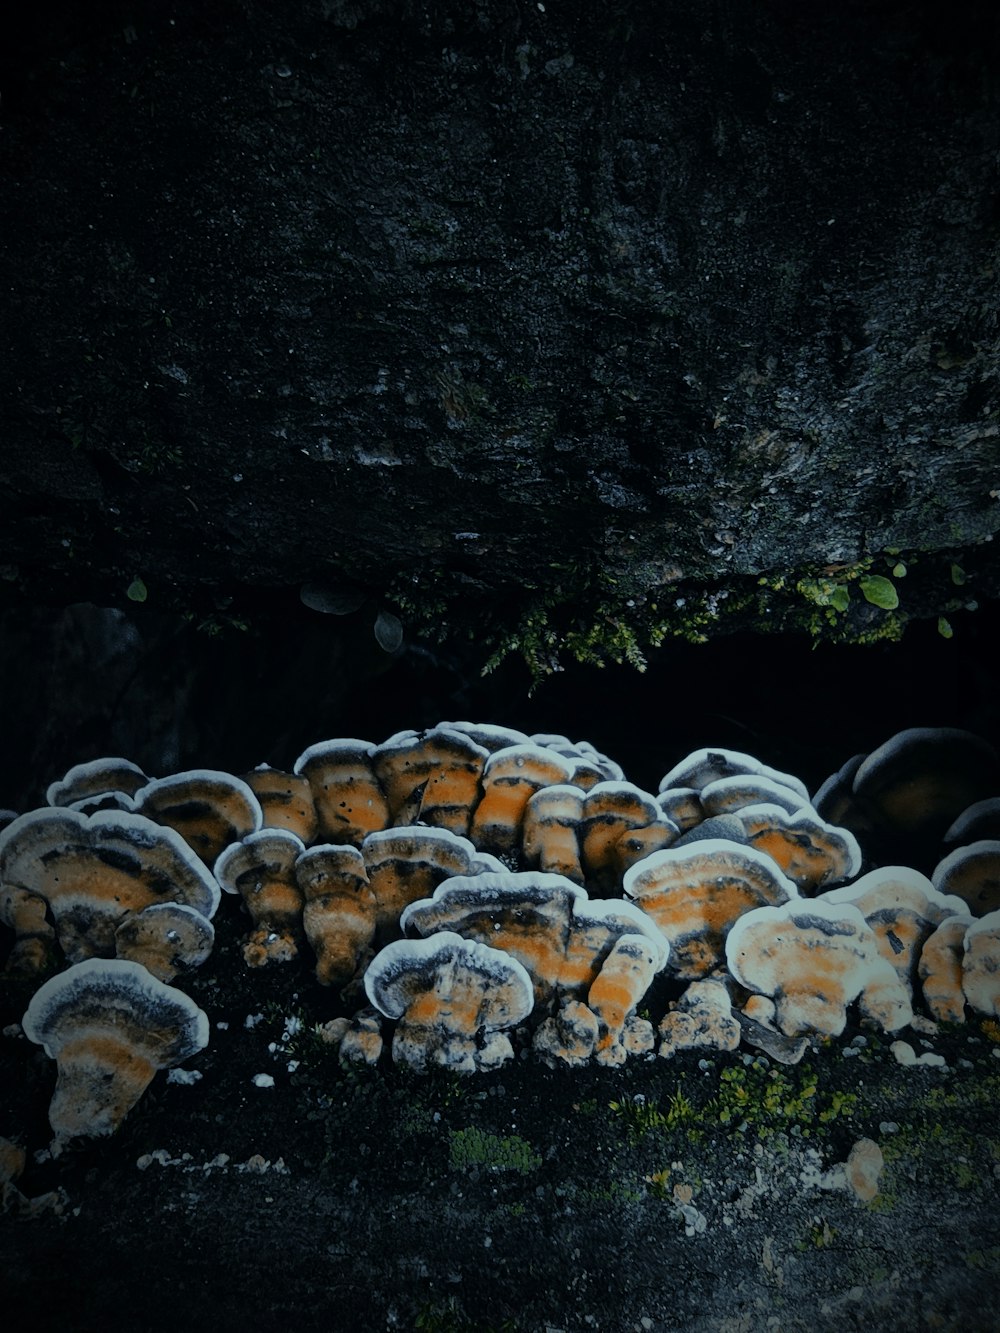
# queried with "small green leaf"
point(944, 628)
point(957, 575)
point(880, 591)
point(899, 570)
point(840, 597)
point(136, 591)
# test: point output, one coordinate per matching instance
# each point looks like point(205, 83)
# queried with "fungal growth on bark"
point(813, 959)
point(208, 808)
point(92, 870)
point(452, 1000)
point(697, 893)
point(110, 1027)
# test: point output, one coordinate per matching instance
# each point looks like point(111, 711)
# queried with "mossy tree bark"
point(586, 323)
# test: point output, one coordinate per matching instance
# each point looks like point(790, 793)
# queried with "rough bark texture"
point(591, 315)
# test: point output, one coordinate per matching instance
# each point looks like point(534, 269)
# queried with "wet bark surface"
point(574, 309)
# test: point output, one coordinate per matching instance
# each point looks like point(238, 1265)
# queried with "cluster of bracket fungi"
point(467, 883)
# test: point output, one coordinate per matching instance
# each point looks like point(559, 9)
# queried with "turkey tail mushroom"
point(110, 1026)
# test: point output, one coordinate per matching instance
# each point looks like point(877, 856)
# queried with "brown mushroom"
point(261, 868)
point(208, 808)
point(349, 801)
point(452, 998)
point(110, 1026)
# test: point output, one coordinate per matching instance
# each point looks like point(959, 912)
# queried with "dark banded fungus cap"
point(110, 1026)
point(94, 869)
point(286, 801)
point(452, 998)
point(813, 958)
point(705, 766)
point(166, 938)
point(96, 778)
point(261, 869)
point(350, 802)
point(339, 912)
point(903, 909)
point(208, 808)
point(406, 864)
point(697, 893)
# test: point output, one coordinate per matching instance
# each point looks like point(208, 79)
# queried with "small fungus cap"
point(166, 938)
point(268, 851)
point(725, 795)
point(104, 993)
point(97, 777)
point(208, 807)
point(972, 873)
point(702, 767)
point(406, 970)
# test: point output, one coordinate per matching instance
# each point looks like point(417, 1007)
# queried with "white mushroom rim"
point(404, 968)
point(113, 990)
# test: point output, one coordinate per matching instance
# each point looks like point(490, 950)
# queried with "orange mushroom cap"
point(94, 869)
point(207, 807)
point(110, 1026)
point(349, 799)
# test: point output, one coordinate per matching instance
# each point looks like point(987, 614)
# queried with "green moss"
point(768, 1100)
point(582, 610)
point(641, 1116)
point(475, 1148)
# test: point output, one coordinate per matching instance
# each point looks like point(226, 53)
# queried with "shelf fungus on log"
point(906, 794)
point(981, 965)
point(286, 801)
point(510, 777)
point(973, 874)
point(110, 1026)
point(339, 912)
point(903, 908)
point(208, 808)
point(702, 1018)
point(349, 801)
point(406, 864)
point(610, 810)
point(550, 840)
point(452, 1000)
point(813, 958)
point(431, 776)
point(35, 949)
point(940, 969)
point(696, 894)
point(166, 938)
point(92, 870)
point(682, 807)
point(601, 952)
point(702, 767)
point(261, 869)
point(810, 851)
point(95, 779)
point(726, 795)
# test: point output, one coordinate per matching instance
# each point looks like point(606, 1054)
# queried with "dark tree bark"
point(589, 323)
